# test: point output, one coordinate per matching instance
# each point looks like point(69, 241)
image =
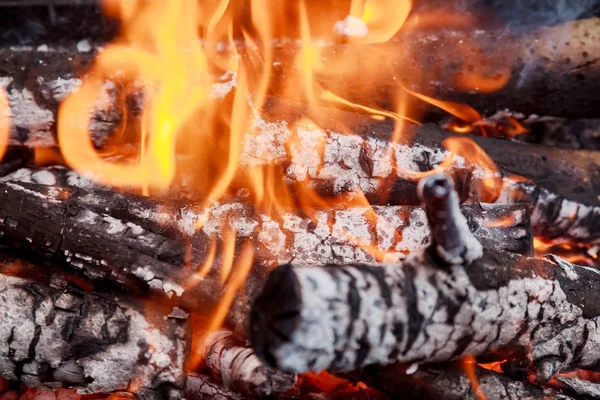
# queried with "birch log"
point(424, 311)
point(240, 369)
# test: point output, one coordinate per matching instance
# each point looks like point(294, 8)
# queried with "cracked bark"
point(143, 243)
point(450, 382)
point(423, 310)
point(56, 331)
point(240, 369)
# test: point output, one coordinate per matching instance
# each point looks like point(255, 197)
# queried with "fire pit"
point(294, 200)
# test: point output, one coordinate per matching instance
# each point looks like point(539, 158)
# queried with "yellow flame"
point(5, 115)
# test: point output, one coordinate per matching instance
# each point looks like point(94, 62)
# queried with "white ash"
point(224, 85)
point(84, 46)
point(264, 143)
point(348, 163)
point(127, 337)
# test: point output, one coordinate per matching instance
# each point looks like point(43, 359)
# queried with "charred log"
point(421, 311)
point(240, 369)
point(204, 387)
point(450, 382)
point(367, 162)
point(581, 387)
point(56, 333)
point(576, 134)
point(142, 243)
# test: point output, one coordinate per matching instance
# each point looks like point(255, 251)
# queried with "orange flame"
point(172, 55)
point(470, 367)
point(4, 122)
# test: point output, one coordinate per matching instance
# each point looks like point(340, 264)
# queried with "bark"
point(581, 387)
point(558, 219)
point(451, 238)
point(240, 369)
point(204, 387)
point(418, 313)
point(422, 311)
point(451, 383)
point(141, 243)
point(56, 331)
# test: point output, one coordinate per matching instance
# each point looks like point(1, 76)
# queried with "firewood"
point(204, 387)
point(140, 242)
point(559, 219)
point(36, 82)
point(450, 382)
point(539, 76)
point(359, 163)
point(451, 238)
point(581, 387)
point(422, 311)
point(240, 369)
point(577, 134)
point(58, 333)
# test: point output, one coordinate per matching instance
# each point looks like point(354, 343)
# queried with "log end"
point(279, 304)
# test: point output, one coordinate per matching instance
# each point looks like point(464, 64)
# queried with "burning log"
point(55, 333)
point(488, 69)
point(240, 369)
point(140, 242)
point(361, 163)
point(423, 310)
point(577, 134)
point(36, 81)
point(451, 383)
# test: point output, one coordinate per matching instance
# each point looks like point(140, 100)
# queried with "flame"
point(171, 55)
point(4, 122)
point(469, 365)
point(486, 173)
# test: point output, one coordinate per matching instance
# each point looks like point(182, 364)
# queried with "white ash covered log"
point(56, 331)
point(426, 310)
point(450, 382)
point(340, 164)
point(236, 365)
point(141, 243)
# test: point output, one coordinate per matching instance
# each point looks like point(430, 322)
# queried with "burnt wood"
point(546, 67)
point(450, 382)
point(420, 311)
point(367, 162)
point(205, 387)
point(143, 243)
point(58, 331)
point(236, 365)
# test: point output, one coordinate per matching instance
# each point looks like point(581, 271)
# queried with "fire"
point(4, 122)
point(173, 54)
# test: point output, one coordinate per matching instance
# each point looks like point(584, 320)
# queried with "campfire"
point(358, 199)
